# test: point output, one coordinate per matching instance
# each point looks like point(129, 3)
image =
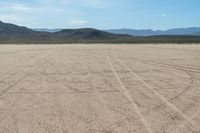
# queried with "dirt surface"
point(100, 88)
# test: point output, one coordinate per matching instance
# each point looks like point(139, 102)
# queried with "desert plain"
point(100, 88)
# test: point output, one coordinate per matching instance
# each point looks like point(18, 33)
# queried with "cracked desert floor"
point(99, 88)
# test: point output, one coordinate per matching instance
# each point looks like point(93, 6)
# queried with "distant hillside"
point(11, 29)
point(13, 34)
point(85, 33)
point(47, 30)
point(10, 33)
point(197, 33)
point(149, 32)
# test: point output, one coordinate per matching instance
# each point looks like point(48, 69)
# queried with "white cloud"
point(54, 12)
point(77, 22)
point(20, 7)
point(15, 7)
point(9, 18)
point(86, 3)
point(161, 15)
point(96, 3)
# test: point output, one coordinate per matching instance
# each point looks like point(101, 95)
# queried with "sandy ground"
point(100, 89)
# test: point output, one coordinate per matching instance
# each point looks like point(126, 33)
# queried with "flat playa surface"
point(99, 88)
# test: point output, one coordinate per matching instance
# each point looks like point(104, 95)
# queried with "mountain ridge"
point(14, 34)
point(143, 32)
point(10, 33)
point(150, 32)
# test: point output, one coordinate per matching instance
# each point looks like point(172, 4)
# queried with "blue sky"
point(102, 14)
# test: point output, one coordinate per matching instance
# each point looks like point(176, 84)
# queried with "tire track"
point(192, 78)
point(152, 62)
point(120, 123)
point(15, 102)
point(176, 49)
point(3, 79)
point(105, 107)
point(187, 88)
point(56, 109)
point(193, 124)
point(126, 93)
point(197, 70)
point(12, 85)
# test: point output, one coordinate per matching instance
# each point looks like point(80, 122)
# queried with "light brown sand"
point(99, 88)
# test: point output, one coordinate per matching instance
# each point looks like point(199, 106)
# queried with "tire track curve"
point(188, 72)
point(193, 124)
point(126, 93)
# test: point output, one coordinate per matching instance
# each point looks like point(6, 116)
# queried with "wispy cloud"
point(100, 14)
point(29, 8)
point(25, 11)
point(96, 3)
point(20, 7)
point(15, 7)
point(10, 18)
point(77, 22)
point(163, 15)
point(86, 3)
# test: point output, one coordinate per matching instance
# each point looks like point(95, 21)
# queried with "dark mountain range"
point(149, 32)
point(182, 31)
point(86, 33)
point(47, 30)
point(132, 32)
point(13, 34)
point(10, 33)
point(146, 32)
point(197, 33)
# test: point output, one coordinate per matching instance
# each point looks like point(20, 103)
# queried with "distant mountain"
point(197, 33)
point(145, 32)
point(149, 32)
point(47, 30)
point(85, 33)
point(133, 32)
point(13, 34)
point(11, 29)
point(182, 31)
point(10, 33)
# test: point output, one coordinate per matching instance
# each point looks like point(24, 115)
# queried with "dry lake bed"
point(99, 88)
